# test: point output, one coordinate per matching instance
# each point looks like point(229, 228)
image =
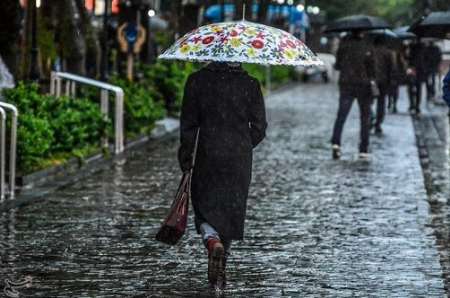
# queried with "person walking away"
point(383, 74)
point(419, 70)
point(446, 88)
point(398, 77)
point(226, 106)
point(355, 62)
point(433, 60)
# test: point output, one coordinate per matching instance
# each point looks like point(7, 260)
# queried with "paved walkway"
point(315, 228)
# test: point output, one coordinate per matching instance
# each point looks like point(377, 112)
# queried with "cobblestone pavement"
point(315, 227)
point(432, 130)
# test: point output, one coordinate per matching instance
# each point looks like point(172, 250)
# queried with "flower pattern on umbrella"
point(244, 42)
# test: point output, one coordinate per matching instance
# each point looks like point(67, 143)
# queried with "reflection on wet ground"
point(432, 131)
point(315, 227)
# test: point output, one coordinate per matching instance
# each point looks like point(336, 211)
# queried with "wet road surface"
point(315, 227)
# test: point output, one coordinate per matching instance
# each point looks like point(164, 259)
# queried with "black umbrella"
point(357, 23)
point(436, 24)
point(403, 33)
point(385, 33)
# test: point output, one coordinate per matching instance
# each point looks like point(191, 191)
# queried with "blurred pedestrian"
point(418, 66)
point(383, 74)
point(398, 77)
point(446, 88)
point(355, 61)
point(226, 105)
point(433, 56)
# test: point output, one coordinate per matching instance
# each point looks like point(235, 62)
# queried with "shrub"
point(169, 78)
point(143, 106)
point(35, 138)
point(50, 126)
point(77, 124)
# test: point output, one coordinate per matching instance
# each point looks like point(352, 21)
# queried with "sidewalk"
point(315, 227)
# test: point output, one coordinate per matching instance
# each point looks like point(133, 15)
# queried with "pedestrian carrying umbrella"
point(436, 24)
point(403, 33)
point(357, 23)
point(243, 42)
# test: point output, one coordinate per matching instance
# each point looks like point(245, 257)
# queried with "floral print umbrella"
point(244, 42)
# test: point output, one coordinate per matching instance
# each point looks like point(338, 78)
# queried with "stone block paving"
point(315, 227)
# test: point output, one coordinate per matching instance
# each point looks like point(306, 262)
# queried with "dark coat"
point(417, 60)
point(355, 61)
point(228, 107)
point(384, 65)
point(433, 58)
point(399, 68)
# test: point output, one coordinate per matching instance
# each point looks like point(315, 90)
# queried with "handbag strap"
point(194, 154)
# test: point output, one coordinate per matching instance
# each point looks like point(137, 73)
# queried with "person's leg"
point(381, 109)
point(395, 98)
point(345, 104)
point(208, 232)
point(433, 85)
point(418, 96)
point(411, 96)
point(217, 254)
point(364, 103)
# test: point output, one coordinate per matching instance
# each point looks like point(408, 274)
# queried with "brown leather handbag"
point(174, 225)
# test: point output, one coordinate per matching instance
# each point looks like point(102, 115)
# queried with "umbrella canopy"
point(386, 33)
point(357, 22)
point(436, 24)
point(243, 42)
point(403, 33)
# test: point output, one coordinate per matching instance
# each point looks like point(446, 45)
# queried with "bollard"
point(13, 146)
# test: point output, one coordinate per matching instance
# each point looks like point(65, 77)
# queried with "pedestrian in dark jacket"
point(398, 77)
point(227, 105)
point(446, 88)
point(418, 64)
point(356, 65)
point(433, 61)
point(383, 74)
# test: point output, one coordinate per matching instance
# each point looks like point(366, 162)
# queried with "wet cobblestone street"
point(315, 227)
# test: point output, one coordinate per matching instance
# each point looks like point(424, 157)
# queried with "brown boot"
point(216, 263)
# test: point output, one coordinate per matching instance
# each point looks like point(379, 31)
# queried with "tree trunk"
point(262, 12)
point(10, 17)
point(91, 41)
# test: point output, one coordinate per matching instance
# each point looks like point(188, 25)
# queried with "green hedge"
point(53, 129)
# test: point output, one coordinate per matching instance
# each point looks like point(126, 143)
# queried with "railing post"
point(52, 83)
point(68, 88)
point(13, 147)
point(2, 153)
point(119, 145)
point(73, 89)
point(58, 87)
point(104, 106)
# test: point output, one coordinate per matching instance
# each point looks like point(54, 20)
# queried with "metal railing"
point(4, 107)
point(71, 81)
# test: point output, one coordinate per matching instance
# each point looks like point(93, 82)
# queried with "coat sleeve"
point(257, 117)
point(446, 88)
point(189, 124)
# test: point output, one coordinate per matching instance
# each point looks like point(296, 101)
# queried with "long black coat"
point(228, 107)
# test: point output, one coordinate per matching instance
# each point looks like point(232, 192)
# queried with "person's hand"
point(411, 72)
